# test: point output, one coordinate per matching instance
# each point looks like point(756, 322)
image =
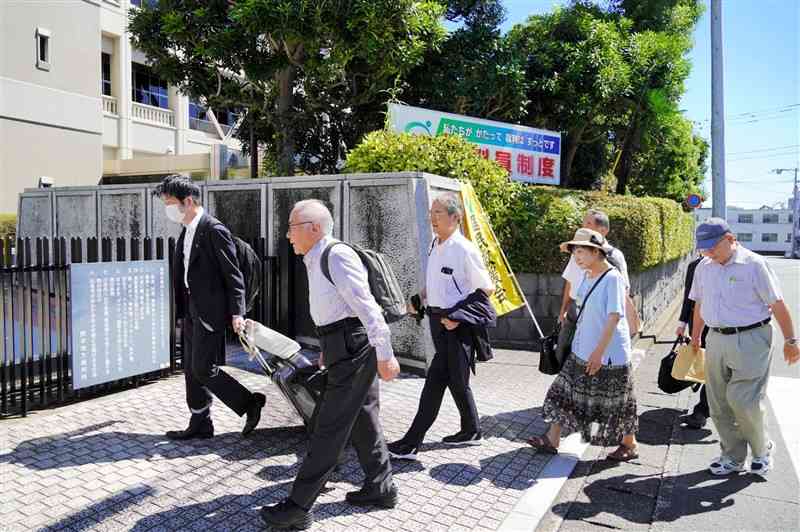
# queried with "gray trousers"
point(737, 371)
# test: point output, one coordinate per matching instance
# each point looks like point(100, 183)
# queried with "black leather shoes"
point(286, 514)
point(254, 413)
point(203, 429)
point(372, 498)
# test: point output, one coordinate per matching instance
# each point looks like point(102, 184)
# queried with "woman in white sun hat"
point(595, 384)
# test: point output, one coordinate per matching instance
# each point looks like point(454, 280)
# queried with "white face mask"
point(174, 212)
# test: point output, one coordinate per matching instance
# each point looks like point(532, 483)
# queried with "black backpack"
point(382, 281)
point(250, 266)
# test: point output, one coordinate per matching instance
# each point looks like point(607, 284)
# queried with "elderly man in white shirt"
point(356, 348)
point(455, 270)
point(736, 294)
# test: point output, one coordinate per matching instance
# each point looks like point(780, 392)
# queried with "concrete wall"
point(50, 119)
point(385, 212)
point(653, 291)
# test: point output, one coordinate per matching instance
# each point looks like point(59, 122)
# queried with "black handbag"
point(555, 347)
point(549, 363)
point(666, 382)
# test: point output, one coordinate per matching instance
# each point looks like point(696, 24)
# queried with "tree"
point(577, 75)
point(298, 66)
point(474, 72)
point(609, 77)
point(671, 161)
point(657, 49)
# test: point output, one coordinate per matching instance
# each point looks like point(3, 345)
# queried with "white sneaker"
point(761, 465)
point(725, 466)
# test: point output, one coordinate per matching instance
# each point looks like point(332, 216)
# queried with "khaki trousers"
point(737, 371)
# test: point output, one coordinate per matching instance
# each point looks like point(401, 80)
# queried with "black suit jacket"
point(215, 281)
point(476, 313)
point(687, 310)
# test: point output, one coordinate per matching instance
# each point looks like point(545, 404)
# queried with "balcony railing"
point(205, 125)
point(109, 105)
point(154, 115)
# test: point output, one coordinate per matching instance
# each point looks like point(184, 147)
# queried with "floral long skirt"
point(576, 401)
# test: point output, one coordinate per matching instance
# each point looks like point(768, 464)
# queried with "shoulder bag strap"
point(590, 293)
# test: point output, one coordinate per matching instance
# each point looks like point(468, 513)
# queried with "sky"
point(761, 39)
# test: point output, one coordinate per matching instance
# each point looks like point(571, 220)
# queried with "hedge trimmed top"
point(531, 220)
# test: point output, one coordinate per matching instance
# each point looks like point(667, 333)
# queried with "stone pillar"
point(122, 89)
point(180, 107)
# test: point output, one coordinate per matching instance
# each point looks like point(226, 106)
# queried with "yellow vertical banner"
point(507, 294)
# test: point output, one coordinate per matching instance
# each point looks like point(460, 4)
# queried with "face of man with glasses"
point(303, 233)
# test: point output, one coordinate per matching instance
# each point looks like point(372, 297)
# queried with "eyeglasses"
point(295, 225)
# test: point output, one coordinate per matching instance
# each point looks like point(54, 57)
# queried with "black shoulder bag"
point(558, 345)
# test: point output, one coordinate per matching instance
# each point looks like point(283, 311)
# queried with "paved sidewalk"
point(105, 465)
point(669, 488)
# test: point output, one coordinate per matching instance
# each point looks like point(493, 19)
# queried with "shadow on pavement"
point(87, 446)
point(702, 493)
point(229, 512)
point(655, 428)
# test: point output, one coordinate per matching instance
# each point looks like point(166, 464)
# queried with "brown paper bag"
point(690, 364)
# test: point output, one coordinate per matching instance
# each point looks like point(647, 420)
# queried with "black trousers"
point(349, 411)
point(702, 406)
point(204, 379)
point(450, 368)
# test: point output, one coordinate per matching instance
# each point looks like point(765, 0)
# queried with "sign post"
point(120, 320)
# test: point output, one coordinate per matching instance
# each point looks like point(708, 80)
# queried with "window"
point(148, 88)
point(769, 237)
point(745, 218)
point(789, 237)
point(42, 49)
point(744, 237)
point(770, 218)
point(105, 81)
point(145, 3)
point(790, 219)
point(199, 119)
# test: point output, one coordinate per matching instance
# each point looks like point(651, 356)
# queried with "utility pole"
point(795, 218)
point(719, 208)
point(795, 211)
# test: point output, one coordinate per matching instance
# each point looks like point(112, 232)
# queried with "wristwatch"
point(791, 341)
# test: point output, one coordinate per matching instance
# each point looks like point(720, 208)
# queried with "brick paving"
point(104, 464)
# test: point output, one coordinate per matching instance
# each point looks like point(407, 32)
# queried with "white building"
point(764, 230)
point(79, 104)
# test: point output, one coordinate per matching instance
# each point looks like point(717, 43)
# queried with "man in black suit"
point(209, 293)
point(700, 414)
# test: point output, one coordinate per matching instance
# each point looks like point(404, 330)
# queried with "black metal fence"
point(36, 322)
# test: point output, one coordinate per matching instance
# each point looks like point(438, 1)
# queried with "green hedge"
point(531, 221)
point(649, 231)
point(8, 225)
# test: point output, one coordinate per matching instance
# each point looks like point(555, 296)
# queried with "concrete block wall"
point(653, 290)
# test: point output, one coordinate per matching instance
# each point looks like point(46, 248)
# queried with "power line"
point(772, 156)
point(754, 114)
point(764, 182)
point(764, 149)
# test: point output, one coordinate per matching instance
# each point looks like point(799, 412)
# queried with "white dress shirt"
point(455, 270)
point(188, 239)
point(348, 297)
point(737, 293)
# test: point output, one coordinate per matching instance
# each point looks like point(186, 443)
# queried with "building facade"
point(764, 230)
point(79, 105)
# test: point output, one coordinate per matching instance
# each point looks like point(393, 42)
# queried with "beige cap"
point(585, 237)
